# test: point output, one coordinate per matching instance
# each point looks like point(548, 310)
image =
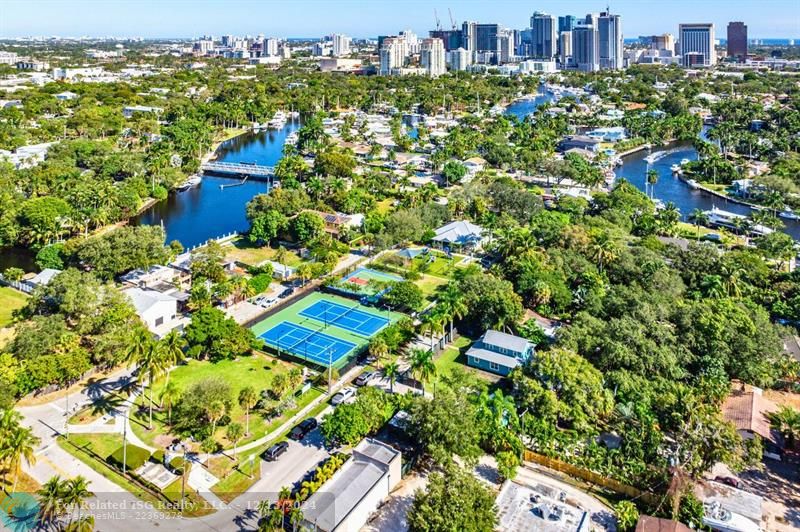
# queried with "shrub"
point(157, 456)
point(135, 457)
point(260, 282)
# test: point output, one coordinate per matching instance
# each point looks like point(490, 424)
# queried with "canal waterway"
point(208, 211)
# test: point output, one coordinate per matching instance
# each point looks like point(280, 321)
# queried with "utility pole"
point(125, 445)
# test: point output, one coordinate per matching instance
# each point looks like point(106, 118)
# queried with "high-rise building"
point(609, 29)
point(543, 36)
point(737, 41)
point(487, 43)
point(432, 57)
point(341, 44)
point(450, 38)
point(506, 45)
point(460, 59)
point(270, 47)
point(227, 40)
point(565, 48)
point(392, 55)
point(665, 41)
point(566, 23)
point(412, 41)
point(469, 34)
point(697, 44)
point(585, 47)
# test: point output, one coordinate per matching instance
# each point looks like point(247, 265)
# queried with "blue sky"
point(365, 18)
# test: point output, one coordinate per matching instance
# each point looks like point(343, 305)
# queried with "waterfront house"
point(608, 134)
point(499, 352)
point(461, 233)
point(345, 502)
point(583, 142)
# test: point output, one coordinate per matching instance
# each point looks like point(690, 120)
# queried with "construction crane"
point(436, 16)
point(452, 21)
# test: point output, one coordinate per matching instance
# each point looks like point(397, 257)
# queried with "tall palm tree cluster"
point(17, 445)
point(59, 498)
point(155, 358)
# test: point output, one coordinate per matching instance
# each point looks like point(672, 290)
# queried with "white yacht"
point(789, 214)
point(278, 121)
point(192, 181)
point(684, 162)
point(676, 169)
point(694, 185)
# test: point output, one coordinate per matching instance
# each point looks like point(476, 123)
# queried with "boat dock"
point(239, 170)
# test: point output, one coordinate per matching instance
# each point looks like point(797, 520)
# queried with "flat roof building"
point(737, 41)
point(346, 501)
point(697, 44)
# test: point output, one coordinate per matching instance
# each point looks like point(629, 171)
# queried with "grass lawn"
point(452, 356)
point(10, 300)
point(25, 484)
point(429, 285)
point(241, 250)
point(92, 449)
point(256, 371)
point(291, 314)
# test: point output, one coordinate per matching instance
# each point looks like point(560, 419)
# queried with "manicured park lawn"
point(92, 449)
point(257, 371)
point(241, 250)
point(429, 285)
point(10, 300)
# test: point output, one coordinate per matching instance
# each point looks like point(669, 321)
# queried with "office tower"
point(392, 55)
point(432, 57)
point(565, 48)
point(566, 23)
point(737, 41)
point(341, 44)
point(697, 44)
point(506, 45)
point(227, 40)
point(585, 48)
point(460, 59)
point(469, 33)
point(451, 38)
point(412, 41)
point(543, 36)
point(609, 29)
point(665, 41)
point(487, 43)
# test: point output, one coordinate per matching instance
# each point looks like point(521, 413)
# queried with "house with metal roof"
point(499, 352)
point(346, 501)
point(460, 233)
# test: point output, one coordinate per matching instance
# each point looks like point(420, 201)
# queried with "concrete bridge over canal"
point(239, 170)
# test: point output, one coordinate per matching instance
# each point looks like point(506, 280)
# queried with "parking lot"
point(301, 457)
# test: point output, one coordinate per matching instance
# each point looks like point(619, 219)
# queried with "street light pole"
point(66, 415)
point(125, 445)
point(330, 371)
point(183, 478)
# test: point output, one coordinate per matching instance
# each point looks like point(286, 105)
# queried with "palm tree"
point(247, 400)
point(456, 308)
point(391, 371)
point(169, 396)
point(76, 491)
point(139, 344)
point(214, 412)
point(699, 217)
point(234, 433)
point(422, 366)
point(378, 347)
point(604, 249)
point(51, 500)
point(172, 350)
point(152, 365)
point(19, 445)
point(787, 421)
point(296, 517)
point(652, 179)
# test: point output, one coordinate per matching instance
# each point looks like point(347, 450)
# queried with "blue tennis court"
point(352, 319)
point(307, 343)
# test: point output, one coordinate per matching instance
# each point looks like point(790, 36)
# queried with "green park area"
point(10, 300)
point(196, 384)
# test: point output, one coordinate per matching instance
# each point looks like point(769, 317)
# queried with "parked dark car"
point(365, 377)
point(730, 481)
point(303, 428)
point(272, 454)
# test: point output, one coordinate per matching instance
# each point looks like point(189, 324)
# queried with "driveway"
point(778, 483)
point(301, 457)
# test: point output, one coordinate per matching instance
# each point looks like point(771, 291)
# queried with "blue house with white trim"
point(499, 352)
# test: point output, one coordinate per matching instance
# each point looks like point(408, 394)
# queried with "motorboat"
point(789, 214)
point(192, 181)
point(694, 185)
point(684, 162)
point(278, 121)
point(676, 169)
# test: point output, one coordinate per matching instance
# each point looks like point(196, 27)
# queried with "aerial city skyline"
point(150, 19)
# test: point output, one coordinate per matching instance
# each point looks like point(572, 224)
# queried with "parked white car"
point(343, 396)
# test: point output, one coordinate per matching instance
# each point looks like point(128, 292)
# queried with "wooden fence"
point(591, 477)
